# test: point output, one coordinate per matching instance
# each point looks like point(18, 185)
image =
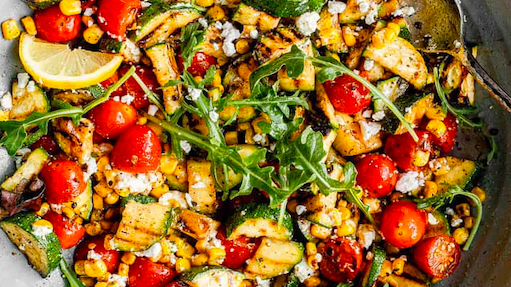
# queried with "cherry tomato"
point(110, 81)
point(110, 257)
point(112, 118)
point(114, 16)
point(47, 143)
point(68, 231)
point(64, 181)
point(377, 174)
point(347, 94)
point(403, 224)
point(438, 256)
point(342, 259)
point(145, 273)
point(237, 250)
point(138, 149)
point(403, 148)
point(53, 26)
point(445, 142)
point(134, 89)
point(178, 283)
point(200, 64)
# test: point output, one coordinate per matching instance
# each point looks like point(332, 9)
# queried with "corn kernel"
point(80, 267)
point(182, 265)
point(320, 231)
point(244, 71)
point(101, 284)
point(311, 248)
point(95, 268)
point(336, 217)
point(69, 212)
point(430, 188)
point(460, 235)
point(10, 29)
point(216, 256)
point(216, 13)
point(102, 189)
point(78, 220)
point(160, 190)
point(231, 137)
point(246, 283)
point(128, 258)
point(43, 223)
point(468, 222)
point(242, 46)
point(439, 166)
point(217, 79)
point(112, 198)
point(186, 250)
point(97, 201)
point(479, 192)
point(122, 192)
point(168, 164)
point(421, 158)
point(395, 27)
point(205, 3)
point(436, 127)
point(390, 34)
point(92, 34)
point(87, 281)
point(348, 227)
point(43, 209)
point(107, 242)
point(349, 36)
point(165, 247)
point(29, 25)
point(463, 209)
point(312, 261)
point(124, 269)
point(70, 7)
point(199, 259)
point(435, 113)
point(312, 281)
point(386, 268)
point(398, 266)
point(93, 228)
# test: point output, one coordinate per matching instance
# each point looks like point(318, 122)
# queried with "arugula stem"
point(479, 215)
point(242, 103)
point(70, 274)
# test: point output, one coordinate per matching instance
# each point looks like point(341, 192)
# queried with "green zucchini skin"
point(83, 203)
point(441, 228)
point(286, 8)
point(144, 199)
point(41, 4)
point(374, 271)
point(19, 230)
point(195, 275)
point(405, 105)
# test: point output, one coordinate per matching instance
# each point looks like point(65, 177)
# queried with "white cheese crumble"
point(318, 257)
point(432, 219)
point(366, 235)
point(336, 7)
point(154, 251)
point(378, 116)
point(405, 11)
point(92, 255)
point(230, 34)
point(41, 231)
point(368, 64)
point(263, 282)
point(23, 80)
point(145, 4)
point(371, 17)
point(152, 109)
point(122, 281)
point(31, 87)
point(254, 34)
point(213, 116)
point(185, 146)
point(203, 22)
point(199, 184)
point(116, 98)
point(6, 102)
point(194, 93)
point(132, 51)
point(307, 23)
point(88, 12)
point(189, 199)
point(174, 195)
point(369, 129)
point(303, 271)
point(409, 181)
point(367, 114)
point(456, 222)
point(363, 6)
point(136, 182)
point(259, 139)
point(92, 168)
point(301, 209)
point(449, 211)
point(127, 99)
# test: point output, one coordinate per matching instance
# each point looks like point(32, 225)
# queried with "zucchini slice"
point(288, 280)
point(461, 172)
point(373, 271)
point(144, 199)
point(353, 13)
point(24, 103)
point(305, 81)
point(258, 220)
point(330, 33)
point(244, 150)
point(41, 4)
point(392, 88)
point(83, 203)
point(247, 15)
point(349, 140)
point(277, 42)
point(212, 276)
point(201, 186)
point(413, 107)
point(31, 168)
point(150, 19)
point(440, 227)
point(42, 251)
point(194, 224)
point(75, 141)
point(286, 8)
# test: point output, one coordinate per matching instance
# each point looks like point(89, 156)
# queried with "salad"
point(227, 143)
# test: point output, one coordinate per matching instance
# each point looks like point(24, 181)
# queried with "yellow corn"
point(95, 268)
point(160, 190)
point(142, 121)
point(336, 217)
point(246, 283)
point(345, 212)
point(216, 13)
point(107, 242)
point(128, 258)
point(479, 192)
point(101, 284)
point(216, 256)
point(96, 215)
point(430, 188)
point(165, 247)
point(311, 248)
point(199, 259)
point(112, 198)
point(179, 242)
point(69, 212)
point(186, 250)
point(436, 127)
point(70, 7)
point(390, 34)
point(244, 71)
point(386, 268)
point(312, 281)
point(460, 235)
point(78, 220)
point(242, 46)
point(29, 25)
point(92, 34)
point(204, 3)
point(168, 164)
point(217, 79)
point(468, 222)
point(43, 223)
point(463, 209)
point(10, 29)
point(43, 209)
point(215, 93)
point(231, 137)
point(349, 36)
point(320, 231)
point(102, 189)
point(398, 266)
point(394, 27)
point(421, 158)
point(80, 267)
point(430, 79)
point(313, 262)
point(87, 281)
point(439, 166)
point(97, 201)
point(122, 192)
point(435, 113)
point(348, 227)
point(93, 228)
point(124, 269)
point(182, 265)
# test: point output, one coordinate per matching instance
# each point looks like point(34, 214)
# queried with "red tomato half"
point(238, 250)
point(445, 142)
point(110, 81)
point(47, 143)
point(200, 64)
point(110, 257)
point(112, 118)
point(68, 231)
point(438, 256)
point(133, 88)
point(145, 273)
point(377, 174)
point(114, 16)
point(138, 149)
point(53, 26)
point(342, 259)
point(64, 181)
point(403, 224)
point(403, 148)
point(347, 94)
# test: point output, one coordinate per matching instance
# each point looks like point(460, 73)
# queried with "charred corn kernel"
point(244, 71)
point(29, 25)
point(142, 121)
point(186, 250)
point(97, 201)
point(421, 158)
point(217, 79)
point(312, 261)
point(102, 189)
point(349, 36)
point(345, 212)
point(312, 281)
point(69, 212)
point(96, 215)
point(165, 247)
point(104, 278)
point(182, 265)
point(216, 255)
point(231, 137)
point(80, 267)
point(95, 268)
point(463, 209)
point(398, 266)
point(468, 222)
point(101, 284)
point(70, 7)
point(124, 269)
point(460, 235)
point(43, 209)
point(168, 164)
point(201, 246)
point(93, 228)
point(386, 268)
point(122, 192)
point(200, 259)
point(336, 217)
point(179, 242)
point(394, 27)
point(437, 127)
point(43, 223)
point(244, 126)
point(215, 93)
point(430, 188)
point(128, 258)
point(348, 227)
point(320, 231)
point(377, 40)
point(205, 3)
point(291, 205)
point(10, 29)
point(390, 34)
point(88, 281)
point(480, 193)
point(216, 13)
point(242, 46)
point(108, 242)
point(435, 113)
point(160, 190)
point(112, 198)
point(311, 248)
point(246, 283)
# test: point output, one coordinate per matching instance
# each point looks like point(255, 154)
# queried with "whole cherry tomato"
point(437, 256)
point(145, 273)
point(200, 64)
point(238, 250)
point(445, 142)
point(68, 231)
point(110, 257)
point(377, 174)
point(64, 181)
point(342, 259)
point(403, 149)
point(47, 143)
point(138, 149)
point(114, 16)
point(112, 118)
point(132, 88)
point(53, 26)
point(403, 224)
point(347, 94)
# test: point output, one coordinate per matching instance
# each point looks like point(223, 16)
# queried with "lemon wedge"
point(57, 66)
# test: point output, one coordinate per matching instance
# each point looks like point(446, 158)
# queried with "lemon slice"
point(56, 66)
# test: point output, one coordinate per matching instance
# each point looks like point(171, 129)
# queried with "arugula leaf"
point(191, 36)
point(494, 148)
point(70, 274)
point(447, 197)
point(349, 284)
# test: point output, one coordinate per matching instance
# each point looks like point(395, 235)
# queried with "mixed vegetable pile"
point(227, 143)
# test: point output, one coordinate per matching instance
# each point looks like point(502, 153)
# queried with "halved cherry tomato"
point(68, 231)
point(64, 181)
point(138, 149)
point(347, 94)
point(238, 250)
point(403, 224)
point(377, 174)
point(445, 142)
point(47, 143)
point(403, 148)
point(145, 273)
point(112, 258)
point(342, 259)
point(438, 256)
point(112, 118)
point(133, 88)
point(200, 64)
point(114, 16)
point(53, 26)
point(110, 81)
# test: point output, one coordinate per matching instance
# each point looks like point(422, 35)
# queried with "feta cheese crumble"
point(136, 182)
point(405, 11)
point(154, 251)
point(303, 271)
point(409, 181)
point(31, 87)
point(378, 116)
point(92, 168)
point(432, 219)
point(6, 102)
point(194, 93)
point(368, 64)
point(88, 12)
point(366, 235)
point(336, 7)
point(23, 80)
point(230, 34)
point(213, 116)
point(254, 34)
point(203, 22)
point(41, 231)
point(173, 195)
point(121, 281)
point(301, 209)
point(263, 282)
point(152, 109)
point(369, 129)
point(363, 6)
point(127, 99)
point(92, 255)
point(307, 23)
point(185, 146)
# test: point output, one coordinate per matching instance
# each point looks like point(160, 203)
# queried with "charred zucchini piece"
point(413, 107)
point(304, 82)
point(201, 186)
point(277, 42)
point(247, 15)
point(194, 224)
point(25, 102)
point(286, 8)
point(461, 172)
point(28, 170)
point(212, 276)
point(75, 141)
